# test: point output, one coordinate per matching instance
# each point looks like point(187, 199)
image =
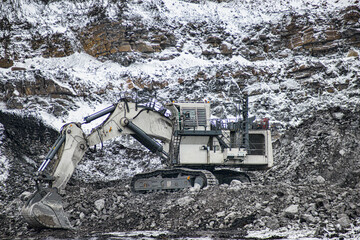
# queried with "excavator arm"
point(44, 208)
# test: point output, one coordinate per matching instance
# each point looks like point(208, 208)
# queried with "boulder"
point(291, 211)
point(344, 220)
point(100, 204)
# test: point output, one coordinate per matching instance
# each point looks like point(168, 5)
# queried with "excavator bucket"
point(44, 210)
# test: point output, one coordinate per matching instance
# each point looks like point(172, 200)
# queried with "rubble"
point(322, 209)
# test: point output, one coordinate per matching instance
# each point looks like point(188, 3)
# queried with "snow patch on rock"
point(4, 162)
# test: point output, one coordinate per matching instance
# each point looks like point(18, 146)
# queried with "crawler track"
point(171, 179)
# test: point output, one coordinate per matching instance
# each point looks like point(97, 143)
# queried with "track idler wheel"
point(44, 209)
point(200, 181)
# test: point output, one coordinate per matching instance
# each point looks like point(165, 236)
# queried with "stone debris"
point(100, 204)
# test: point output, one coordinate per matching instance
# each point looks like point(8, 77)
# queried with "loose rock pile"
point(283, 201)
point(238, 209)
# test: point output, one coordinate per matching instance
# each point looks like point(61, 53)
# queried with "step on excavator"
point(199, 151)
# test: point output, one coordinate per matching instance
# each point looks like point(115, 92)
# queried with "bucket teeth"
point(44, 210)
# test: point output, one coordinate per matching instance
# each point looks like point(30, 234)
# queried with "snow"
point(76, 116)
point(79, 65)
point(283, 233)
point(4, 170)
point(4, 162)
point(98, 75)
point(185, 201)
point(136, 234)
point(148, 235)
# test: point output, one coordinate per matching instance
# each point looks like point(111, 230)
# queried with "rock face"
point(6, 63)
point(306, 58)
point(31, 90)
point(116, 40)
point(320, 37)
point(54, 45)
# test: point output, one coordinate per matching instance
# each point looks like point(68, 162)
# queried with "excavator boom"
point(44, 208)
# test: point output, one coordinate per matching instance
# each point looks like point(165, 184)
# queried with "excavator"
point(198, 151)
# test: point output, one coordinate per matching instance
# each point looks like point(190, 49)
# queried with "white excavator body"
point(201, 140)
point(197, 149)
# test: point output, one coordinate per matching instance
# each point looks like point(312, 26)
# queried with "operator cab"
point(200, 140)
